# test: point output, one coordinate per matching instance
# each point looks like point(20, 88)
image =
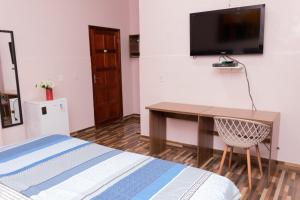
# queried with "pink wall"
point(52, 43)
point(134, 28)
point(168, 73)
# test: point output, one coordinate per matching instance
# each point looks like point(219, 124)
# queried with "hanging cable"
point(247, 78)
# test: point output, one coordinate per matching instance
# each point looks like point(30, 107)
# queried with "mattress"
point(60, 167)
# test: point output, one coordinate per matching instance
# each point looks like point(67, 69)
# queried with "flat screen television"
point(228, 31)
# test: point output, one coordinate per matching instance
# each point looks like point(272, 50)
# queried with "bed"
point(59, 167)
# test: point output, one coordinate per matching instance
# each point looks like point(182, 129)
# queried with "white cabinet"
point(46, 117)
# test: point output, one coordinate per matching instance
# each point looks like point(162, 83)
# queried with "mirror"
point(10, 101)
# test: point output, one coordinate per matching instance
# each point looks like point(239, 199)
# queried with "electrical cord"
point(246, 74)
point(222, 56)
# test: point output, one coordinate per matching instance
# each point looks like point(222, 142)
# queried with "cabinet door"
point(55, 121)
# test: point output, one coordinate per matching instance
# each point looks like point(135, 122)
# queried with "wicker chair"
point(244, 134)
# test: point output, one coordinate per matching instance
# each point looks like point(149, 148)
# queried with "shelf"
point(134, 46)
point(229, 68)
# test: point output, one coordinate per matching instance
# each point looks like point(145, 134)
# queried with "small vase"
point(49, 94)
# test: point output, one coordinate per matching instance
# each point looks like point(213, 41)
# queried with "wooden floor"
point(125, 135)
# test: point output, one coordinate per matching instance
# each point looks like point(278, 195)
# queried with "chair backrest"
point(240, 132)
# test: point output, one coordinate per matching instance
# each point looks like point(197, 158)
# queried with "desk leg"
point(157, 132)
point(205, 139)
point(272, 165)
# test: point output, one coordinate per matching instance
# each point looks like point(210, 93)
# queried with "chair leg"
point(223, 159)
point(259, 160)
point(230, 157)
point(249, 168)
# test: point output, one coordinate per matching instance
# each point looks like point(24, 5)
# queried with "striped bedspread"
point(63, 168)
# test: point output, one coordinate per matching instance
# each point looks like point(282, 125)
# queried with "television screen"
point(229, 31)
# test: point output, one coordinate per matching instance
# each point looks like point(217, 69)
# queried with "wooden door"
point(106, 74)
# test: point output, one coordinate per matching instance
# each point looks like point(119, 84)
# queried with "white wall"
point(52, 42)
point(168, 73)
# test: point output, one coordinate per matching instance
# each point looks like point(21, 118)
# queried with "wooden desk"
point(204, 117)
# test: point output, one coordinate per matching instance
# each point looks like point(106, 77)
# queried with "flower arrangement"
point(46, 84)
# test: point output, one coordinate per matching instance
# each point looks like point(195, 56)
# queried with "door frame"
point(92, 27)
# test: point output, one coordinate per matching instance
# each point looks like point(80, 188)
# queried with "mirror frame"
point(14, 57)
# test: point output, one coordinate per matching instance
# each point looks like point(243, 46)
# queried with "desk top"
point(178, 108)
point(211, 111)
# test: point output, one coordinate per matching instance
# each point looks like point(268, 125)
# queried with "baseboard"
point(289, 165)
point(132, 115)
point(83, 130)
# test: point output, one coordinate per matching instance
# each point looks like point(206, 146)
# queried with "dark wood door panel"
point(113, 78)
point(114, 111)
point(105, 60)
point(103, 116)
point(99, 41)
point(99, 79)
point(99, 60)
point(113, 95)
point(110, 41)
point(102, 97)
point(111, 60)
point(106, 69)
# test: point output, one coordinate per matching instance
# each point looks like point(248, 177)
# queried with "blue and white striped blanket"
point(63, 168)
